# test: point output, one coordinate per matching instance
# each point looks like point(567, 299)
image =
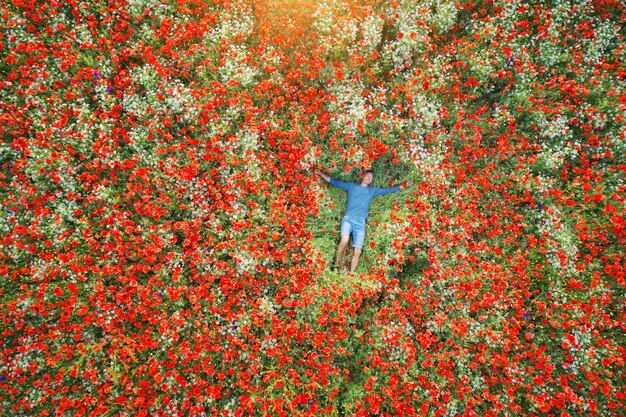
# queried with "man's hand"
point(321, 174)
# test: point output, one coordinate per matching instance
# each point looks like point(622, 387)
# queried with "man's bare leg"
point(340, 250)
point(355, 259)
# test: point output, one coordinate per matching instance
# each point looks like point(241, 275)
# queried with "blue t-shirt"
point(360, 197)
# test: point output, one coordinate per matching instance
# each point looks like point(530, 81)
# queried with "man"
point(353, 222)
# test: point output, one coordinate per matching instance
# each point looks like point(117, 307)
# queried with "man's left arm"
point(382, 191)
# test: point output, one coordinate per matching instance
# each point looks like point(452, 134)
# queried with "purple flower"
point(96, 74)
point(160, 294)
point(511, 61)
point(3, 378)
point(9, 211)
point(526, 315)
point(109, 89)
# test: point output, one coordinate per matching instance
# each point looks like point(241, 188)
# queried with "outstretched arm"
point(382, 191)
point(335, 183)
point(321, 174)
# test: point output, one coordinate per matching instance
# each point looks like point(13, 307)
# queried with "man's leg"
point(359, 238)
point(340, 250)
point(346, 230)
point(355, 259)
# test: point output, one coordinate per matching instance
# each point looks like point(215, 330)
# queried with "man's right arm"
point(335, 183)
point(321, 174)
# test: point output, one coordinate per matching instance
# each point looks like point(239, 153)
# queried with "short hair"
point(368, 171)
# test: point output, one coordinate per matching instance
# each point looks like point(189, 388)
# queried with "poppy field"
point(165, 247)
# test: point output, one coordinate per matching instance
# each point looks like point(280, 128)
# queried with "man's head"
point(368, 177)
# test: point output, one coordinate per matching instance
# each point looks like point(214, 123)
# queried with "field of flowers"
point(165, 246)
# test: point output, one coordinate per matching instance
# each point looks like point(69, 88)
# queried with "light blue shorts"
point(356, 226)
